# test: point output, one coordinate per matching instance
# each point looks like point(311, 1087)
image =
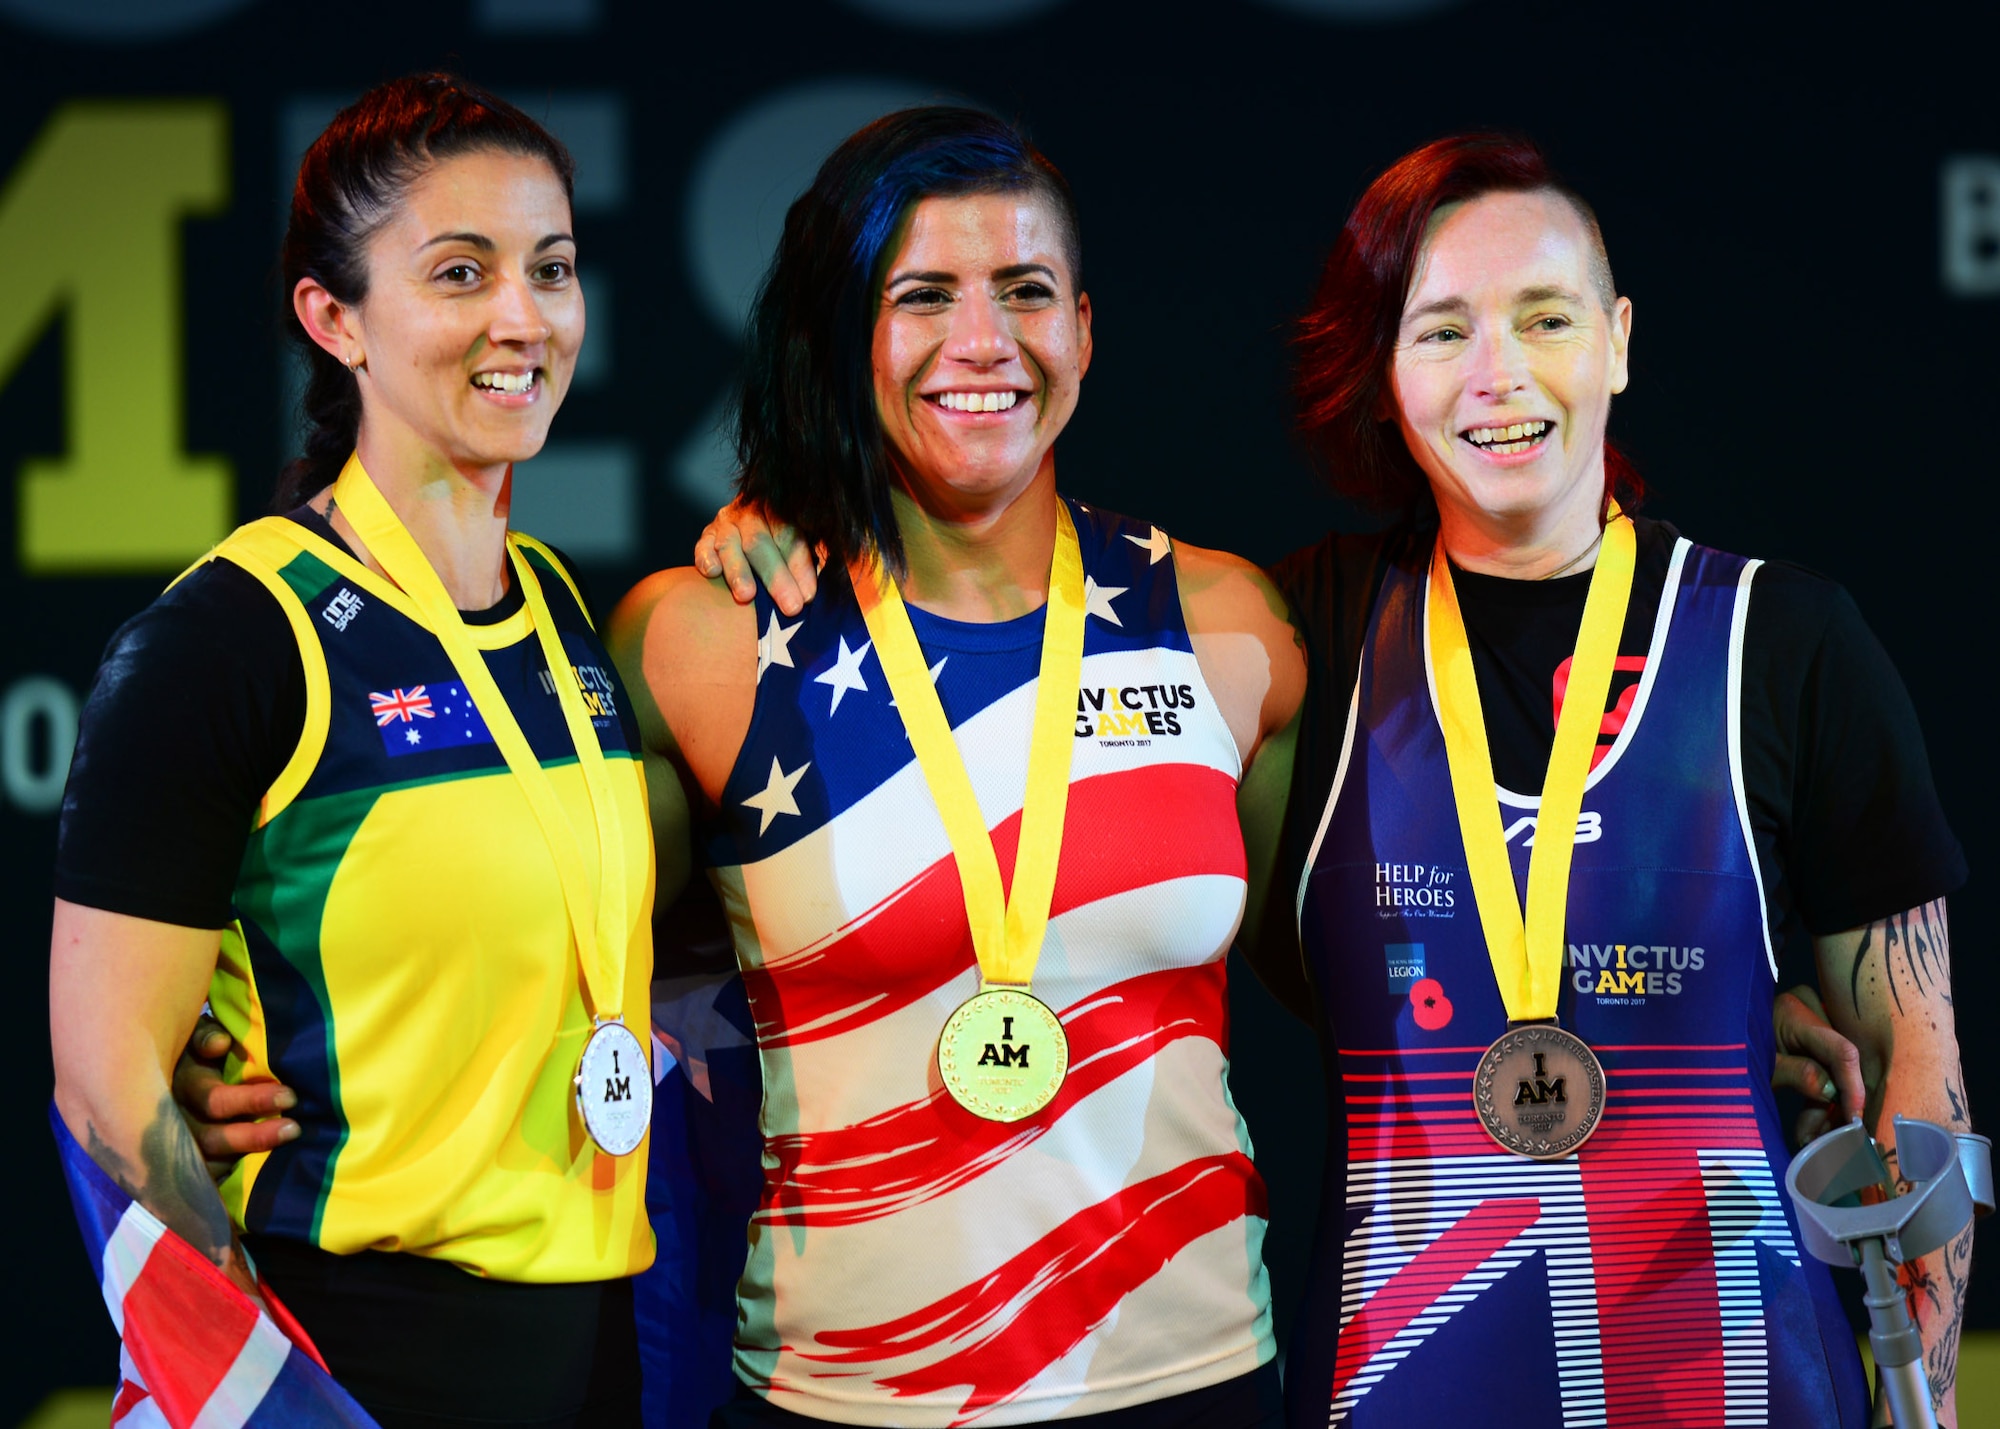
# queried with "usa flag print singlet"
point(911, 1263)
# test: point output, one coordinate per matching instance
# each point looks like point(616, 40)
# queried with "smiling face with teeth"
point(471, 322)
point(1505, 366)
point(980, 346)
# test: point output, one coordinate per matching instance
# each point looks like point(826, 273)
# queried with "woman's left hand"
point(228, 1121)
point(1816, 1062)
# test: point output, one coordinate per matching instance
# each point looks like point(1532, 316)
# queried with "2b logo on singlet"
point(1132, 714)
point(1589, 828)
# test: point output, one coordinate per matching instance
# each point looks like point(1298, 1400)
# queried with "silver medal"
point(614, 1089)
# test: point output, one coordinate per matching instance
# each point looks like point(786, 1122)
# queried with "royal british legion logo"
point(1406, 966)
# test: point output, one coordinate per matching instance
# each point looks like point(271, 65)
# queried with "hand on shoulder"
point(688, 654)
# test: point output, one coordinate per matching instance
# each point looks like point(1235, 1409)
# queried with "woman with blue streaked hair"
point(978, 820)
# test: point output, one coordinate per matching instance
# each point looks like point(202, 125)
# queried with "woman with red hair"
point(1732, 763)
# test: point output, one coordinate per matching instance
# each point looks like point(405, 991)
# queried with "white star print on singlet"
point(1155, 545)
point(846, 672)
point(775, 798)
point(774, 646)
point(1097, 600)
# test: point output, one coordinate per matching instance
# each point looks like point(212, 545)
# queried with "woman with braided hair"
point(364, 778)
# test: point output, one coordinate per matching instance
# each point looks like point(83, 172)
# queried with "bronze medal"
point(1539, 1091)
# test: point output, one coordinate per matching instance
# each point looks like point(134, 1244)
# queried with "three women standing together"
point(1004, 1180)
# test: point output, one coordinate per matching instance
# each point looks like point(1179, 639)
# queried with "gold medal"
point(1003, 1054)
point(1539, 1091)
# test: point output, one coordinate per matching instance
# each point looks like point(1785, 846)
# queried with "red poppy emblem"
point(1432, 1007)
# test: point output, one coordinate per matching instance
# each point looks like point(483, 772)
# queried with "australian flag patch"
point(427, 717)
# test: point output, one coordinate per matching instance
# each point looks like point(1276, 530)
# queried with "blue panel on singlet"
point(1658, 1270)
point(399, 713)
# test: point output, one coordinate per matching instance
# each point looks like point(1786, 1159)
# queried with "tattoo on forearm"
point(1922, 1294)
point(1860, 961)
point(1926, 948)
point(1915, 948)
point(1947, 1312)
point(172, 1182)
point(1910, 955)
point(1934, 1289)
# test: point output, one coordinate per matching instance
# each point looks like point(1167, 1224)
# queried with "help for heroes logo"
point(1415, 890)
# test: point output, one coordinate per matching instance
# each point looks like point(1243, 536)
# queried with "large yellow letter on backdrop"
point(90, 226)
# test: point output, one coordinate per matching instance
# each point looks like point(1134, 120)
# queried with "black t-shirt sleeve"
point(1331, 587)
point(1858, 833)
point(197, 707)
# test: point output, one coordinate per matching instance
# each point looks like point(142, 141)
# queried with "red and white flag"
point(195, 1351)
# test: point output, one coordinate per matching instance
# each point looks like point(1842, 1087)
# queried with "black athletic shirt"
point(1842, 805)
point(197, 706)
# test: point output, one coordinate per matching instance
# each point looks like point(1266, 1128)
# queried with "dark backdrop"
point(1805, 210)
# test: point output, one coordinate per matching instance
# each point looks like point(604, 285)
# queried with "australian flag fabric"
point(195, 1349)
point(429, 716)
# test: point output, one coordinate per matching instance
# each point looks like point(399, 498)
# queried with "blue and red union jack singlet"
point(911, 1263)
point(1655, 1277)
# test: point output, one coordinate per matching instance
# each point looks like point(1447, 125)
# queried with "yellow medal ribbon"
point(1527, 952)
point(1007, 932)
point(597, 917)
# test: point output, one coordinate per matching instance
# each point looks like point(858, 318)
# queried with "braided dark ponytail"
point(349, 184)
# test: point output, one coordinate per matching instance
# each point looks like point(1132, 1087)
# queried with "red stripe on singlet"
point(892, 954)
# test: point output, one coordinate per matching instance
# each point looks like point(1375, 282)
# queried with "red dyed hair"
point(1347, 338)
